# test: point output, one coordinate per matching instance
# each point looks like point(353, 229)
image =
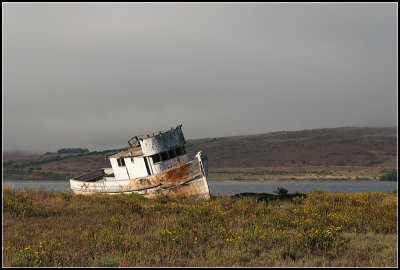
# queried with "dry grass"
point(322, 229)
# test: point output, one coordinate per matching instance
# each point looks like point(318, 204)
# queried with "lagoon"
point(219, 188)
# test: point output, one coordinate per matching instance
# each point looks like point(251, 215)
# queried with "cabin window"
point(156, 158)
point(164, 156)
point(171, 153)
point(121, 162)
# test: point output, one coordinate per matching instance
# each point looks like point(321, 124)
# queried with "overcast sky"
point(93, 75)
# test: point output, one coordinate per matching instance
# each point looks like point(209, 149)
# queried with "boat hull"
point(185, 180)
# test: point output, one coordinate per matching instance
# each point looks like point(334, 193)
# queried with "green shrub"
point(389, 176)
point(281, 191)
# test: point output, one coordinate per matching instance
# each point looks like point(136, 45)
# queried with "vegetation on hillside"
point(316, 147)
point(72, 151)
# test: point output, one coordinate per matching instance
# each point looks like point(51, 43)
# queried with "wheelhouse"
point(150, 154)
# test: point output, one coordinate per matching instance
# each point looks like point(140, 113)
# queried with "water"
point(235, 187)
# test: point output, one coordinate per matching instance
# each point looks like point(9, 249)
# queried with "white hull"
point(184, 180)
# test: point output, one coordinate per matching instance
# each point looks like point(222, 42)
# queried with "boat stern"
point(203, 161)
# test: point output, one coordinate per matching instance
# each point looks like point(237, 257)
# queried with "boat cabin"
point(149, 154)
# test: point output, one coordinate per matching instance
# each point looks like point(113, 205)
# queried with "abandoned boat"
point(154, 165)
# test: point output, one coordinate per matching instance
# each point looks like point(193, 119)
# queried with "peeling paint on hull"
point(185, 180)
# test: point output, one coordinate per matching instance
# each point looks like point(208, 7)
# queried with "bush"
point(281, 191)
point(389, 176)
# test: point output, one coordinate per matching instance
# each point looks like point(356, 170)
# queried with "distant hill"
point(363, 147)
point(317, 147)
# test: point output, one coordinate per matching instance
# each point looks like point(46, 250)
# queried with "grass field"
point(317, 229)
